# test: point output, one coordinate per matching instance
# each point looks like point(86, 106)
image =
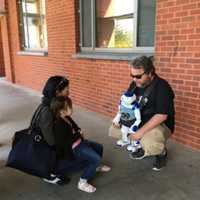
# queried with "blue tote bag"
point(30, 153)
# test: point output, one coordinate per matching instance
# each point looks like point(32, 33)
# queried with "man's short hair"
point(143, 62)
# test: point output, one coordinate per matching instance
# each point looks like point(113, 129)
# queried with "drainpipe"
point(9, 71)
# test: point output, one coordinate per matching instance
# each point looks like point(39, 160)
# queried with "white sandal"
point(86, 187)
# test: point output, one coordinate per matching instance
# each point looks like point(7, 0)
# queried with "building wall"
point(97, 84)
point(178, 60)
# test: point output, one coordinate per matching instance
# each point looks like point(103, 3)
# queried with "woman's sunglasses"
point(138, 76)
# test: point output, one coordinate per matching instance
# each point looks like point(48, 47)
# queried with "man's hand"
point(136, 136)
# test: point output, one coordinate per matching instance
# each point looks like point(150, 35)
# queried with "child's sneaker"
point(86, 187)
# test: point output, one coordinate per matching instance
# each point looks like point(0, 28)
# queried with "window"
point(33, 24)
point(116, 25)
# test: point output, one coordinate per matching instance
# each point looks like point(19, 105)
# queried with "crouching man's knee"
point(153, 142)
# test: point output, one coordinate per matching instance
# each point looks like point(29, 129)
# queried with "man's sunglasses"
point(138, 76)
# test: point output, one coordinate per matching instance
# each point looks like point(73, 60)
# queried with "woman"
point(55, 86)
point(71, 144)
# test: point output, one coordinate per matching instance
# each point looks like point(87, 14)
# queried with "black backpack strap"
point(143, 100)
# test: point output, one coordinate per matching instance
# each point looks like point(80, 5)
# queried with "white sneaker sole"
point(156, 169)
point(55, 181)
point(140, 158)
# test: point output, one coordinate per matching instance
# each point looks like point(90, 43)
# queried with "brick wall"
point(178, 60)
point(97, 84)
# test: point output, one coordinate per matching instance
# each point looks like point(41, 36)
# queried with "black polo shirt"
point(160, 101)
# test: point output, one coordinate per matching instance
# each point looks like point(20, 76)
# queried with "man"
point(157, 111)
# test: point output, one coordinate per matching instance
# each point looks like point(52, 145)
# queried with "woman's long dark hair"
point(53, 84)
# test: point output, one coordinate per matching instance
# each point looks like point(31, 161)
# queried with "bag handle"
point(35, 117)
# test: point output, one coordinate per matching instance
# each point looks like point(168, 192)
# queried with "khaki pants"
point(153, 142)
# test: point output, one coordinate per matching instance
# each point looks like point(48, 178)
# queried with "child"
point(129, 118)
point(71, 143)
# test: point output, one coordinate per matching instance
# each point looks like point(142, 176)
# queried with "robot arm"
point(135, 125)
point(117, 117)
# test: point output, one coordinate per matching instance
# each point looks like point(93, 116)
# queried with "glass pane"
point(146, 23)
point(34, 33)
point(86, 23)
point(114, 23)
point(26, 35)
point(44, 42)
point(31, 6)
point(23, 6)
point(34, 28)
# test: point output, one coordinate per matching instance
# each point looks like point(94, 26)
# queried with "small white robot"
point(129, 118)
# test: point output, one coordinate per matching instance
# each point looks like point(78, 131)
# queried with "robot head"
point(128, 98)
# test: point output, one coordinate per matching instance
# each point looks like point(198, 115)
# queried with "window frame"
point(134, 49)
point(21, 24)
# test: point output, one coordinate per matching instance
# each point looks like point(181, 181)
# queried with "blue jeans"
point(91, 153)
point(69, 166)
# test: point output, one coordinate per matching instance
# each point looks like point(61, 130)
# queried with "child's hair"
point(58, 103)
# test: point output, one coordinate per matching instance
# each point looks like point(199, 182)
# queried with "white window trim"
point(30, 50)
point(32, 53)
point(114, 50)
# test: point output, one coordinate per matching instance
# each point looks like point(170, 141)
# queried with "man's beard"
point(144, 85)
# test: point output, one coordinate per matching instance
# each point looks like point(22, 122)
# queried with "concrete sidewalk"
point(128, 180)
